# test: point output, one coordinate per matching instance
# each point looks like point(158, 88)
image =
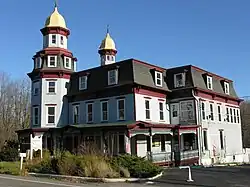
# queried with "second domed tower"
point(107, 50)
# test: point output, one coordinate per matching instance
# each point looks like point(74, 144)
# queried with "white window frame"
point(222, 140)
point(34, 117)
point(61, 40)
point(161, 111)
point(87, 112)
point(226, 88)
point(219, 112)
point(52, 39)
point(118, 110)
point(38, 62)
point(147, 109)
point(65, 59)
point(231, 115)
point(48, 86)
point(160, 78)
point(238, 115)
point(210, 82)
point(34, 91)
point(73, 114)
point(102, 102)
point(211, 111)
point(203, 110)
point(49, 65)
point(47, 115)
point(176, 84)
point(83, 80)
point(116, 77)
point(228, 114)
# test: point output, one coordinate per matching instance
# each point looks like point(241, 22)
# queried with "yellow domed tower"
point(53, 66)
point(107, 50)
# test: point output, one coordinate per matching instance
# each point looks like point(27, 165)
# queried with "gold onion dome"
point(55, 19)
point(107, 43)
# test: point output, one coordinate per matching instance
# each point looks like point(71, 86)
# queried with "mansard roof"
point(130, 72)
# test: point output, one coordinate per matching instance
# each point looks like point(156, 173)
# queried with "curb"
point(92, 179)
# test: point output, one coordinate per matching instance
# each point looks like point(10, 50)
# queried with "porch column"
point(150, 143)
point(128, 142)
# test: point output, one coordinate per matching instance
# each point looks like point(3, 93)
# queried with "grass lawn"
point(12, 168)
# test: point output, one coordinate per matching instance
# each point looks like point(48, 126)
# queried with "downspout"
point(200, 128)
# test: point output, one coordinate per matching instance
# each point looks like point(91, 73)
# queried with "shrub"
point(9, 151)
point(137, 166)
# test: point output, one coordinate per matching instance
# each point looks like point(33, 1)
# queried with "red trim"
point(55, 51)
point(161, 100)
point(55, 75)
point(217, 96)
point(149, 65)
point(51, 79)
point(211, 74)
point(50, 104)
point(149, 93)
point(107, 52)
point(233, 106)
point(55, 30)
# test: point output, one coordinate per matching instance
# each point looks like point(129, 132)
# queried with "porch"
point(161, 143)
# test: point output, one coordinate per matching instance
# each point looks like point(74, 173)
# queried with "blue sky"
point(214, 35)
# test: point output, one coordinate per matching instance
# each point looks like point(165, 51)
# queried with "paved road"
point(206, 177)
point(203, 177)
point(11, 181)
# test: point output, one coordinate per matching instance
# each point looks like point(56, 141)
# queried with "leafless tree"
point(14, 106)
point(245, 121)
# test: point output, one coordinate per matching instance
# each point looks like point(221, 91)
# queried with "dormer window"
point(226, 87)
point(67, 62)
point(83, 82)
point(52, 61)
point(112, 77)
point(179, 80)
point(209, 82)
point(158, 78)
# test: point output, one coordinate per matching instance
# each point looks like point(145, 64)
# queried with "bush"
point(9, 152)
point(137, 166)
point(95, 166)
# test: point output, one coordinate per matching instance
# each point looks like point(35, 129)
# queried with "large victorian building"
point(177, 116)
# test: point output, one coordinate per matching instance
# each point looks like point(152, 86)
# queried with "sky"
point(211, 34)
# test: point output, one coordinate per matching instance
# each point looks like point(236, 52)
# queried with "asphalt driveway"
point(207, 177)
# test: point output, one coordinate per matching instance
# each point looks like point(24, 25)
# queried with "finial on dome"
point(56, 3)
point(108, 29)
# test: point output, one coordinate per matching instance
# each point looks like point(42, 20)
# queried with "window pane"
point(51, 119)
point(147, 114)
point(161, 106)
point(90, 108)
point(51, 110)
point(121, 104)
point(147, 104)
point(121, 115)
point(52, 84)
point(104, 106)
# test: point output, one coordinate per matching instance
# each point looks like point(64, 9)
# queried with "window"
point(211, 112)
point(35, 91)
point(51, 115)
point(187, 110)
point(234, 115)
point(121, 109)
point(52, 61)
point(238, 116)
point(62, 41)
point(205, 139)
point(231, 115)
point(221, 139)
point(89, 112)
point(226, 87)
point(174, 110)
point(209, 82)
point(37, 62)
point(179, 80)
point(51, 87)
point(147, 109)
point(53, 39)
point(67, 62)
point(76, 114)
point(104, 111)
point(83, 83)
point(35, 115)
point(112, 77)
point(203, 111)
point(219, 112)
point(158, 78)
point(161, 111)
point(227, 114)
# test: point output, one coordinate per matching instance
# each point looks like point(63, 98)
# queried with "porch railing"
point(161, 157)
point(189, 154)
